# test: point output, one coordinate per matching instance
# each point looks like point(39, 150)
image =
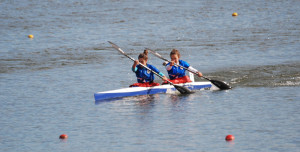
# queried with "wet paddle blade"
point(183, 90)
point(220, 84)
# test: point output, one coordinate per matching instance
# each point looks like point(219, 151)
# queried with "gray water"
point(47, 83)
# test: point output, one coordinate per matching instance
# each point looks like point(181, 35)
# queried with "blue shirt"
point(144, 75)
point(176, 71)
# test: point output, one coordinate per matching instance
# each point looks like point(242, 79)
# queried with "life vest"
point(144, 75)
point(176, 71)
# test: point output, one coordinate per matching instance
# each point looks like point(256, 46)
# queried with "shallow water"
point(47, 83)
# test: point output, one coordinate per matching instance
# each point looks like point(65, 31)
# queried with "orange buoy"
point(30, 36)
point(63, 136)
point(229, 137)
point(235, 14)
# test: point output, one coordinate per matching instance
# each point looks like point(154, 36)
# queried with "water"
point(47, 83)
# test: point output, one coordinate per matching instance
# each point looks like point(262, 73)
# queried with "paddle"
point(181, 89)
point(221, 85)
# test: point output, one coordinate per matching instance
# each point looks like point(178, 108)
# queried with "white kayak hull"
point(136, 91)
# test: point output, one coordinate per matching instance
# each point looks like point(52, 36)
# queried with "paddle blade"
point(221, 85)
point(116, 47)
point(183, 90)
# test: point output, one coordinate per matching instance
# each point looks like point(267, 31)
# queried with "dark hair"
point(175, 52)
point(144, 55)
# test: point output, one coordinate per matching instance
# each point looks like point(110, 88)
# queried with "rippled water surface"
point(47, 83)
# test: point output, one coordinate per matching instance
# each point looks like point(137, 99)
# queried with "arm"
point(157, 71)
point(169, 66)
point(199, 74)
point(164, 77)
point(190, 68)
point(135, 63)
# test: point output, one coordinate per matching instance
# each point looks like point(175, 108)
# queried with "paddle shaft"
point(159, 56)
point(131, 58)
point(217, 83)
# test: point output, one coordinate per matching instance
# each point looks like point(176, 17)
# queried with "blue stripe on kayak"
point(101, 96)
point(198, 87)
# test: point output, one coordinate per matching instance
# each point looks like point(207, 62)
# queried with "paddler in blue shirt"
point(176, 73)
point(145, 77)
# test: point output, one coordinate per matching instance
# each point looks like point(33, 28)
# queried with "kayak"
point(166, 88)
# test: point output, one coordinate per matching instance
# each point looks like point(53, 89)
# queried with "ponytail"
point(146, 52)
point(144, 55)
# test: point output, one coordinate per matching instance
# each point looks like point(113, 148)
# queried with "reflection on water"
point(145, 100)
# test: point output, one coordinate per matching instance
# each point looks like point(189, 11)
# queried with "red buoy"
point(63, 136)
point(229, 137)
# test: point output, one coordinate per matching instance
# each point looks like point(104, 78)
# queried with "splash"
point(261, 76)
